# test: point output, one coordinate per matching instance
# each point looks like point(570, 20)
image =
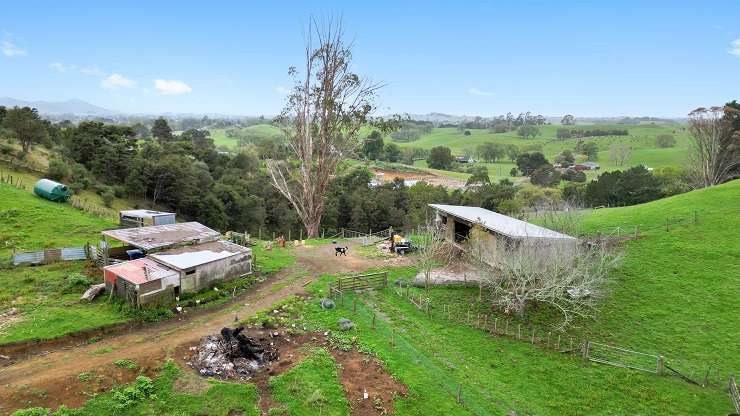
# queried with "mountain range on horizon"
point(73, 106)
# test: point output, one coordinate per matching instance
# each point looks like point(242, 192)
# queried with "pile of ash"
point(231, 355)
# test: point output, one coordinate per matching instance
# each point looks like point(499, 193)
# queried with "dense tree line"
point(566, 133)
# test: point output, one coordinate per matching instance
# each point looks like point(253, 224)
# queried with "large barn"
point(458, 220)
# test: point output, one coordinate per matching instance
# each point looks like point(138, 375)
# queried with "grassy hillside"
point(257, 131)
point(641, 139)
point(28, 222)
point(677, 291)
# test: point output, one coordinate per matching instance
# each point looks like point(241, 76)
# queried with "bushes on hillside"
point(632, 186)
point(665, 140)
point(440, 157)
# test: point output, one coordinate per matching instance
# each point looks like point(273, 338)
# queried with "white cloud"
point(735, 48)
point(58, 66)
point(282, 90)
point(11, 50)
point(114, 81)
point(94, 71)
point(476, 91)
point(171, 87)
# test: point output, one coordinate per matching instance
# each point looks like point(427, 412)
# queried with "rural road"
point(50, 379)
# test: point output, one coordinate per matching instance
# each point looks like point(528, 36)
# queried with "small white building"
point(144, 218)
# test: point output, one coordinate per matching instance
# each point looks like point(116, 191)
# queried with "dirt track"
point(51, 379)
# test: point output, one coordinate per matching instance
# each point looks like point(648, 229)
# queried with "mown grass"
point(310, 388)
point(160, 397)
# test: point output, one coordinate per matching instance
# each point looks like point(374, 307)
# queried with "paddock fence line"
point(13, 181)
point(589, 351)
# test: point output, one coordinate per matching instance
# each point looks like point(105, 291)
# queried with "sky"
point(588, 58)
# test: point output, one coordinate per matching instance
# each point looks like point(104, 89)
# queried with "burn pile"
point(231, 355)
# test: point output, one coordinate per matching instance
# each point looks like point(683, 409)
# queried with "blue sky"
point(589, 58)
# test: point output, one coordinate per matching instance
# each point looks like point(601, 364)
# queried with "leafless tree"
point(715, 147)
point(434, 250)
point(619, 153)
point(324, 112)
point(569, 276)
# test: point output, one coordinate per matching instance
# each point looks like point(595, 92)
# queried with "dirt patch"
point(10, 317)
point(386, 175)
point(363, 374)
point(359, 373)
point(75, 389)
point(456, 274)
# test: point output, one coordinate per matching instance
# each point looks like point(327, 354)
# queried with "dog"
point(340, 251)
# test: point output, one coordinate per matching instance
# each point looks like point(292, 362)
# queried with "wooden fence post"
point(585, 352)
point(495, 324)
point(373, 320)
point(519, 331)
point(660, 369)
point(666, 224)
point(354, 304)
point(533, 336)
point(459, 392)
point(696, 217)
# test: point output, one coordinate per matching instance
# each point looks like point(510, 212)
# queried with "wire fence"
point(590, 351)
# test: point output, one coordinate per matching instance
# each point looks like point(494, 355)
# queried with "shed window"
point(190, 272)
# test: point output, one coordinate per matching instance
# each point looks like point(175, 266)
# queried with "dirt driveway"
point(52, 378)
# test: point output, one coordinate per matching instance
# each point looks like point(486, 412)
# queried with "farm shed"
point(160, 237)
point(51, 190)
point(201, 266)
point(458, 220)
point(142, 281)
point(144, 218)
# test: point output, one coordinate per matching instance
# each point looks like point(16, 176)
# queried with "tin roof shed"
point(164, 236)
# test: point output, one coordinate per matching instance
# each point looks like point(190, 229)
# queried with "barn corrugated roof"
point(499, 223)
point(191, 256)
point(163, 236)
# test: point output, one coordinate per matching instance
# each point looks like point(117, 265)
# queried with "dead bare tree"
point(568, 275)
point(434, 250)
point(323, 114)
point(715, 148)
point(619, 153)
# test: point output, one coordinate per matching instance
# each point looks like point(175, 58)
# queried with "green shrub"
point(108, 197)
point(129, 396)
point(58, 170)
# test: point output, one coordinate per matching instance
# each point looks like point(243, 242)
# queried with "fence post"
point(354, 304)
point(373, 320)
point(533, 336)
point(519, 331)
point(696, 217)
point(660, 370)
point(558, 342)
point(637, 231)
point(585, 352)
point(666, 224)
point(459, 391)
point(495, 324)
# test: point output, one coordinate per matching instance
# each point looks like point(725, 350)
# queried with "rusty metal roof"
point(141, 270)
point(163, 236)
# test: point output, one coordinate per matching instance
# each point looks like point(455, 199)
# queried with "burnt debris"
point(232, 354)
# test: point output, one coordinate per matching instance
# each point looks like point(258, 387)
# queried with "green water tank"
point(53, 191)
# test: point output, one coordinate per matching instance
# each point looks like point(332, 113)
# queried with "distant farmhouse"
point(586, 166)
point(458, 220)
point(156, 263)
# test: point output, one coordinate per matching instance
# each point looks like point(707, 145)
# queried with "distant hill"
point(73, 106)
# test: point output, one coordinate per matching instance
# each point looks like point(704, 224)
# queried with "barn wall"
point(207, 275)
